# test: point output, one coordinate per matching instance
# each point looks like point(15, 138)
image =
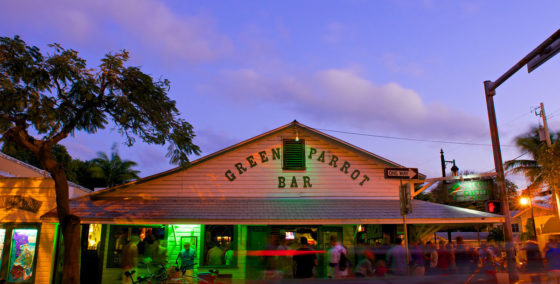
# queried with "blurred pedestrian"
point(432, 258)
point(365, 266)
point(338, 259)
point(553, 259)
point(444, 258)
point(130, 259)
point(534, 261)
point(187, 255)
point(396, 259)
point(304, 260)
point(417, 260)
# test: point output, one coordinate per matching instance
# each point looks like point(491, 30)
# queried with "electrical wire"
point(410, 139)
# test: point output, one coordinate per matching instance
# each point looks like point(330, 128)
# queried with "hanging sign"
point(474, 190)
point(20, 202)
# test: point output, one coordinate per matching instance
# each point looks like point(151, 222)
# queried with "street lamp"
point(524, 201)
point(454, 168)
point(535, 58)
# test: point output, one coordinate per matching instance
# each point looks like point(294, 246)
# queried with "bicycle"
point(203, 277)
point(160, 276)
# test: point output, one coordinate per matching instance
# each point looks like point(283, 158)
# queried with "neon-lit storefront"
point(233, 205)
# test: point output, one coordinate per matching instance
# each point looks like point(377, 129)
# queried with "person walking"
point(553, 260)
point(365, 266)
point(130, 259)
point(396, 259)
point(432, 258)
point(304, 260)
point(534, 261)
point(338, 260)
point(417, 260)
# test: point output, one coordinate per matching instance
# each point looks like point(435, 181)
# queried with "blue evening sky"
point(411, 69)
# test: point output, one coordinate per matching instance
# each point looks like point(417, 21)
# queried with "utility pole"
point(555, 195)
point(545, 125)
point(546, 50)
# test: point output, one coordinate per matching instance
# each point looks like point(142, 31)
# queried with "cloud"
point(395, 64)
point(342, 96)
point(335, 31)
point(172, 36)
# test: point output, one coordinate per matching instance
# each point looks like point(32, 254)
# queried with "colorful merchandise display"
point(22, 255)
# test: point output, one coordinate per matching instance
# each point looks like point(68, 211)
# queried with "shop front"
point(26, 242)
point(248, 205)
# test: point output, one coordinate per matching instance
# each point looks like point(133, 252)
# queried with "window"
point(22, 255)
point(148, 241)
point(2, 237)
point(220, 244)
point(515, 227)
point(294, 155)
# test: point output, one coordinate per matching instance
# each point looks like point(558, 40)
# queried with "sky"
point(355, 70)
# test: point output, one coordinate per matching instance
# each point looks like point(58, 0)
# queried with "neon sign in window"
point(2, 237)
point(22, 254)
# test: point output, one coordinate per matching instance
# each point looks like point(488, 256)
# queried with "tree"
point(531, 144)
point(46, 98)
point(113, 171)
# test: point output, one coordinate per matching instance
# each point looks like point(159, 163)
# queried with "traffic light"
point(493, 206)
point(406, 202)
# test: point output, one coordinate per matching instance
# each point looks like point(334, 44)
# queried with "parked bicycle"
point(160, 276)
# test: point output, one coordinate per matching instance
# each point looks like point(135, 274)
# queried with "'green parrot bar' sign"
point(478, 190)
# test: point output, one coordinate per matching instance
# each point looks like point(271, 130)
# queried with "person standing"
point(130, 259)
point(215, 255)
point(553, 258)
point(304, 260)
point(432, 258)
point(444, 258)
point(337, 255)
point(187, 255)
point(534, 261)
point(396, 259)
point(417, 260)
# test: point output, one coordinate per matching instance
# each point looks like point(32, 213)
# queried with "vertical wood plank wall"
point(45, 253)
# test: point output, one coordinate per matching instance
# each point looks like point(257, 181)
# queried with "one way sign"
point(401, 173)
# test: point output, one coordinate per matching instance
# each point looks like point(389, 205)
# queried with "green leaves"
point(56, 94)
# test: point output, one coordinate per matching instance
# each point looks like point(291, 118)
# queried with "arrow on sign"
point(401, 173)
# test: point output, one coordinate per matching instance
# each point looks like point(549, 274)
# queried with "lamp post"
point(535, 58)
point(454, 168)
point(529, 201)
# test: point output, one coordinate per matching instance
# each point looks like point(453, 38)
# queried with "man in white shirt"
point(335, 252)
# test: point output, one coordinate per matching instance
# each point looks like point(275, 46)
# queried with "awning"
point(267, 211)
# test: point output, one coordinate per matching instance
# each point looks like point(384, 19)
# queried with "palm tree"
point(113, 170)
point(531, 144)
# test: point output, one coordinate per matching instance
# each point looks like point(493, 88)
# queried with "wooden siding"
point(45, 253)
point(208, 179)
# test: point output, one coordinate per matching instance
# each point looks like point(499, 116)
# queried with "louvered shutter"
point(294, 155)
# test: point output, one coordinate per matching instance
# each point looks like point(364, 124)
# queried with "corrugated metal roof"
point(267, 211)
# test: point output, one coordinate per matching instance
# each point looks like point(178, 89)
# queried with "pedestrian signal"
point(493, 206)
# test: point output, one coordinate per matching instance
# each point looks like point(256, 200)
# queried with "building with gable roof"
point(26, 243)
point(236, 205)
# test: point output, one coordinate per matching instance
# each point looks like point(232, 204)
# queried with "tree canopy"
point(46, 98)
point(542, 166)
point(113, 170)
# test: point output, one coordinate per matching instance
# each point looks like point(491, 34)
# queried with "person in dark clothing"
point(535, 264)
point(463, 257)
point(304, 260)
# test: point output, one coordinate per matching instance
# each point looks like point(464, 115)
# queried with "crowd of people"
point(455, 259)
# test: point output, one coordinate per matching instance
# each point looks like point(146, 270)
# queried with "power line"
point(410, 139)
